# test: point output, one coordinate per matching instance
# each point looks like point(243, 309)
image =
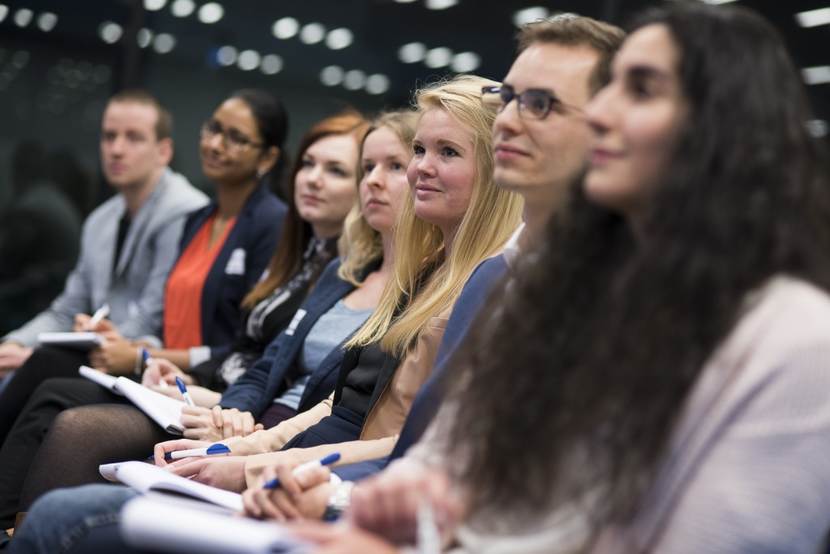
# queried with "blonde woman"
point(454, 218)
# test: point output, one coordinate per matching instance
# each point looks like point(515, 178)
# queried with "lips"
point(310, 199)
point(506, 151)
point(600, 156)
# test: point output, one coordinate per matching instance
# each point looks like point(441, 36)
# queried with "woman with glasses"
point(219, 313)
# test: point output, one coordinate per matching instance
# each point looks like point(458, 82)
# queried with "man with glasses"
point(128, 244)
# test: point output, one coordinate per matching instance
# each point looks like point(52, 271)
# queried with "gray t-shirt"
point(330, 330)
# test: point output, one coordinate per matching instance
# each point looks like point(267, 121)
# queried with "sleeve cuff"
point(198, 354)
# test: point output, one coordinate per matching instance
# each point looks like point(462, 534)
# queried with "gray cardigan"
point(135, 290)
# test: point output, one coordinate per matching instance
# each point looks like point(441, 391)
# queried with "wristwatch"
point(339, 500)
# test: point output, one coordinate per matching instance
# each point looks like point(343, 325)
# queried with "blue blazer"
point(429, 397)
point(248, 248)
point(256, 389)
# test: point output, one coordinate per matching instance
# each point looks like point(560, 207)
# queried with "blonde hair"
point(413, 296)
point(360, 244)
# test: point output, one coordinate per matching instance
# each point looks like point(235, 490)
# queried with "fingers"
point(80, 323)
point(160, 449)
point(312, 477)
point(187, 467)
point(288, 482)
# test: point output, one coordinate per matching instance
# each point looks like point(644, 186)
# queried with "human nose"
point(508, 120)
point(599, 111)
point(375, 177)
point(424, 165)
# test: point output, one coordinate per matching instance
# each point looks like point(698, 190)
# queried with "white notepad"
point(181, 525)
point(145, 477)
point(79, 340)
point(165, 411)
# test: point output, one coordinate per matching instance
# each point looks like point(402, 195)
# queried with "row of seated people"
point(584, 309)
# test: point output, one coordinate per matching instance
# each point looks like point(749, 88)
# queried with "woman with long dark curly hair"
point(657, 378)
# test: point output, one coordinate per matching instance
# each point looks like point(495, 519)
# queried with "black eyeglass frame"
point(507, 94)
point(237, 140)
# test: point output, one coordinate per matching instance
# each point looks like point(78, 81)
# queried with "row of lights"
point(312, 33)
point(163, 43)
point(354, 79)
point(208, 13)
point(46, 21)
point(434, 58)
point(817, 75)
point(249, 60)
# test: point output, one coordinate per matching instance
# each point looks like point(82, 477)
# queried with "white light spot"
point(332, 75)
point(46, 21)
point(312, 33)
point(817, 128)
point(211, 12)
point(285, 28)
point(412, 52)
point(465, 62)
point(154, 5)
point(248, 60)
point(377, 84)
point(164, 43)
point(529, 15)
point(354, 79)
point(110, 32)
point(338, 39)
point(816, 75)
point(4, 11)
point(717, 2)
point(144, 37)
point(226, 55)
point(404, 1)
point(23, 17)
point(813, 18)
point(440, 4)
point(183, 8)
point(438, 57)
point(271, 64)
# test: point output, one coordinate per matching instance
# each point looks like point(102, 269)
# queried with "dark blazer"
point(428, 399)
point(256, 389)
point(251, 243)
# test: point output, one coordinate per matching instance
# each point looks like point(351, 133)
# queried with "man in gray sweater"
point(129, 243)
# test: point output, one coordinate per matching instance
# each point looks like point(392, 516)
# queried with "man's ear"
point(165, 149)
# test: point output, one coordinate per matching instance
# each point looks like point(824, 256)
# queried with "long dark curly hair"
point(576, 372)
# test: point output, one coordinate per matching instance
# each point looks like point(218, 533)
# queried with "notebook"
point(165, 411)
point(145, 477)
point(79, 340)
point(165, 524)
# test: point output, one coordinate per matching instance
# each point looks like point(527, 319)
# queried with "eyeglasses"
point(232, 140)
point(535, 103)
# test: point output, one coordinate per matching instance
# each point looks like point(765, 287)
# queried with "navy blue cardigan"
point(252, 242)
point(256, 389)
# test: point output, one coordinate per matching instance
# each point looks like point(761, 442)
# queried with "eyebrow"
point(641, 71)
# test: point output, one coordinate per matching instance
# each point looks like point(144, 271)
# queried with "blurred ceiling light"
point(47, 21)
point(528, 15)
point(110, 32)
point(817, 128)
point(23, 17)
point(183, 8)
point(438, 57)
point(164, 43)
point(816, 75)
point(465, 62)
point(248, 60)
point(440, 4)
point(211, 12)
point(412, 53)
point(813, 18)
point(332, 75)
point(154, 5)
point(404, 1)
point(337, 39)
point(271, 64)
point(226, 55)
point(717, 2)
point(285, 28)
point(4, 11)
point(144, 37)
point(312, 33)
point(354, 79)
point(377, 84)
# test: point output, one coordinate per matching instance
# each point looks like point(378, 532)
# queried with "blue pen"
point(326, 461)
point(211, 450)
point(183, 390)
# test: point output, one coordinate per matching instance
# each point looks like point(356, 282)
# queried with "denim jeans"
point(61, 518)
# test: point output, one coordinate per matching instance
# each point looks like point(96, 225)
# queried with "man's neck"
point(537, 210)
point(137, 195)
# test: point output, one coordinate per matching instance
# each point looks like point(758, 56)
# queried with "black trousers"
point(23, 441)
point(44, 363)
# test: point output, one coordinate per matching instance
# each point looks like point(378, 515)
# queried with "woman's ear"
point(268, 160)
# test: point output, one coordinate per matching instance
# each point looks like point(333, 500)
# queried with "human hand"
point(12, 356)
point(300, 496)
point(224, 472)
point(116, 356)
point(217, 423)
point(387, 504)
point(162, 448)
point(339, 539)
point(159, 369)
point(82, 321)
